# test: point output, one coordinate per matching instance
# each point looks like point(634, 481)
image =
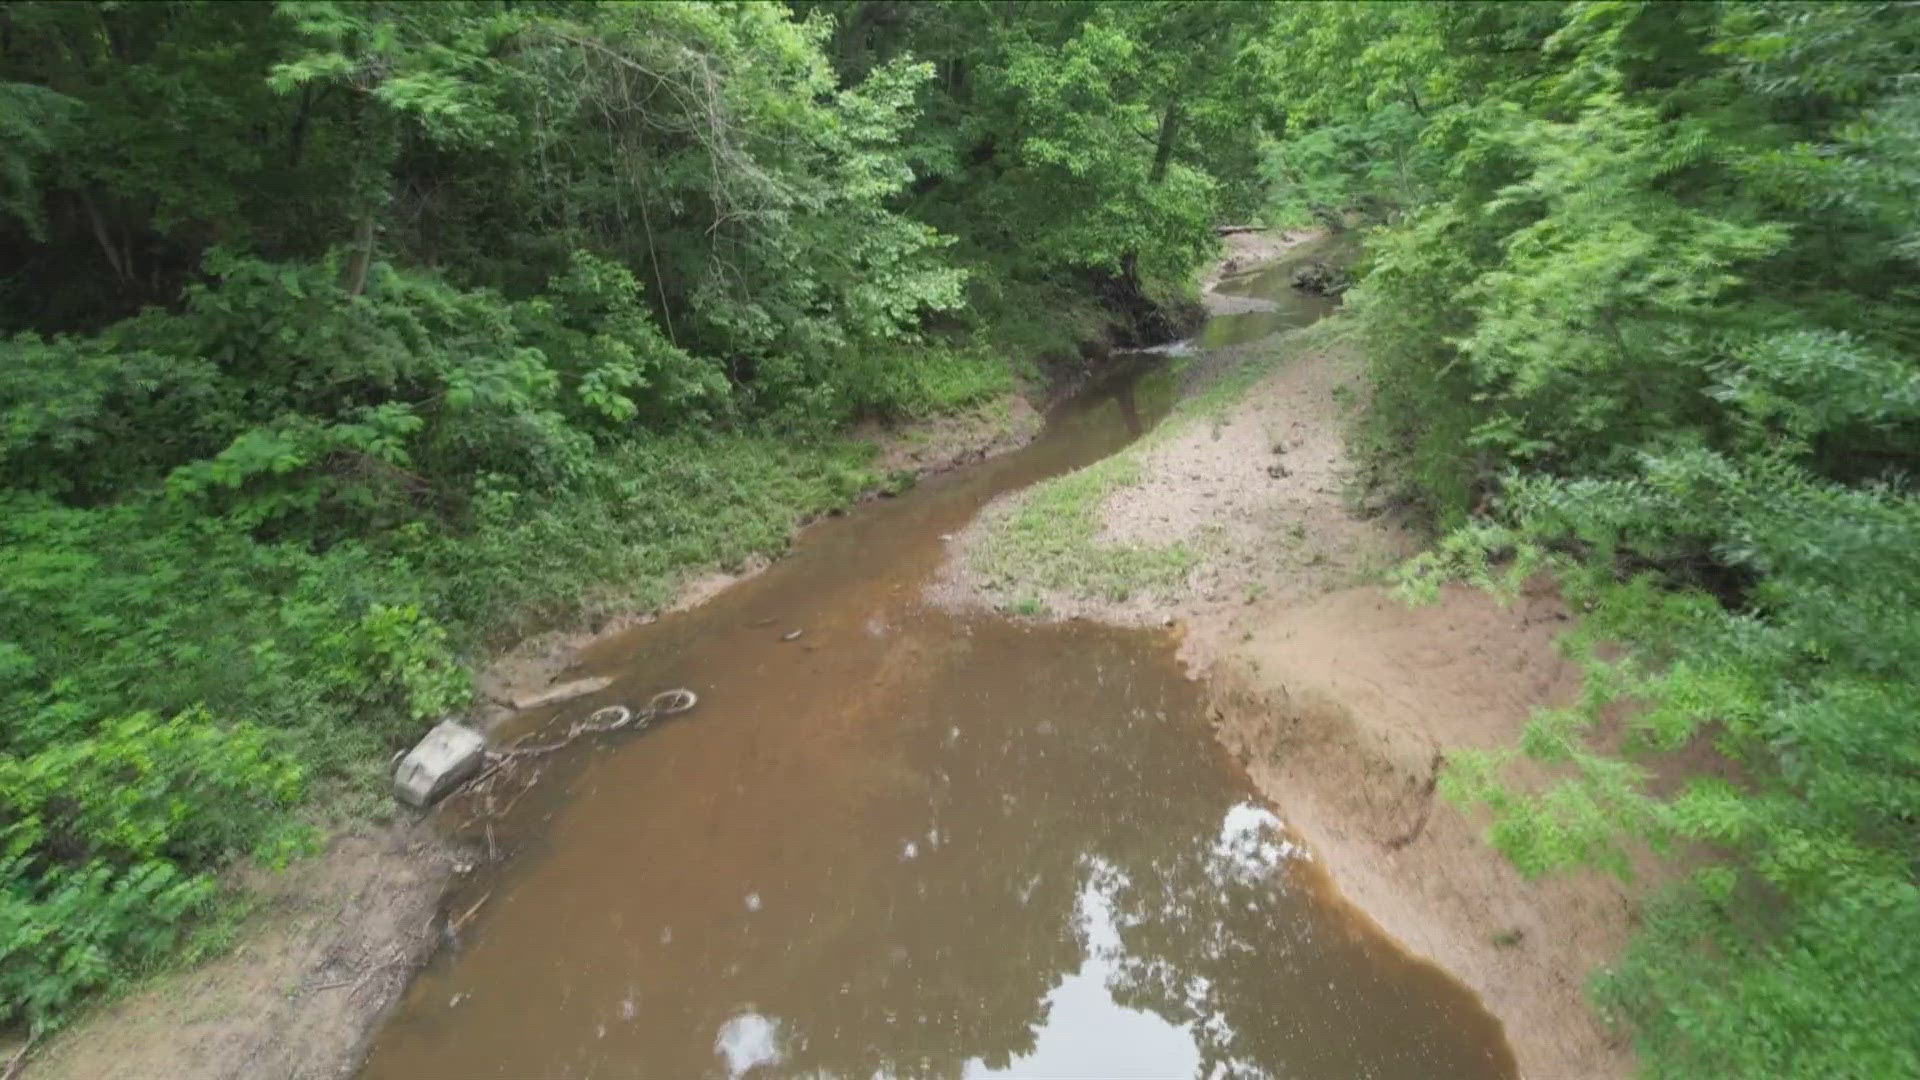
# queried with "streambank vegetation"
point(344, 341)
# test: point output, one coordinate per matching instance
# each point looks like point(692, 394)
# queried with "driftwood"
point(561, 692)
point(505, 778)
point(19, 1058)
point(1229, 230)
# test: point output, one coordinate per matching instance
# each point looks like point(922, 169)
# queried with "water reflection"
point(747, 1042)
point(1087, 1033)
point(1040, 867)
point(1242, 327)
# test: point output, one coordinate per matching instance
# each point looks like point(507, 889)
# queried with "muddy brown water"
point(910, 843)
point(1276, 305)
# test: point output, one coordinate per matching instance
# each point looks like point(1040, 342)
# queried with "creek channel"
point(913, 843)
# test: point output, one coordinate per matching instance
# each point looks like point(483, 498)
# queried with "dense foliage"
point(1063, 136)
point(343, 338)
point(339, 341)
point(1640, 308)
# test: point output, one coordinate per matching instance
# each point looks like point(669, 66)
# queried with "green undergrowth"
point(652, 514)
point(213, 641)
point(1051, 539)
point(1639, 318)
point(937, 378)
point(215, 659)
point(178, 692)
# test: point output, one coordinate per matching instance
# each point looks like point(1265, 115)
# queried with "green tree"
point(1072, 141)
point(1644, 322)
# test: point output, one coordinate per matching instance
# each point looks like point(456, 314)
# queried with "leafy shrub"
point(1375, 166)
point(185, 790)
point(647, 513)
point(926, 381)
point(146, 605)
point(65, 931)
point(1651, 333)
point(107, 840)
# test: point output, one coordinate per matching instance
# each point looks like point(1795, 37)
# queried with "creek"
point(913, 843)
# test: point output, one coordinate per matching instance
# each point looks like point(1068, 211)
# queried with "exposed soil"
point(331, 944)
point(940, 443)
point(1342, 702)
point(1343, 708)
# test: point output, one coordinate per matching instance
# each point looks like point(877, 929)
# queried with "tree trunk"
point(353, 276)
point(1156, 174)
point(1163, 145)
point(297, 135)
point(104, 237)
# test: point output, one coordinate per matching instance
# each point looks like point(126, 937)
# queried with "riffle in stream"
point(910, 843)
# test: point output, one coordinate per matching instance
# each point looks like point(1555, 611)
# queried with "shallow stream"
point(909, 843)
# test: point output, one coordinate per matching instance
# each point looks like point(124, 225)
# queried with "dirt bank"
point(1343, 707)
point(332, 941)
point(902, 454)
point(1237, 518)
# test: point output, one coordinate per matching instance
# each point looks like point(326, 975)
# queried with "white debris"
point(441, 762)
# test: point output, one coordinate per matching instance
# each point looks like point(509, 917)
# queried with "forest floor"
point(1241, 518)
point(326, 946)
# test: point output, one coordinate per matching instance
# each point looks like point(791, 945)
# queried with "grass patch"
point(1050, 540)
point(1029, 608)
point(651, 514)
point(929, 379)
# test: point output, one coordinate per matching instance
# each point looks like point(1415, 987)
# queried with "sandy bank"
point(1343, 707)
